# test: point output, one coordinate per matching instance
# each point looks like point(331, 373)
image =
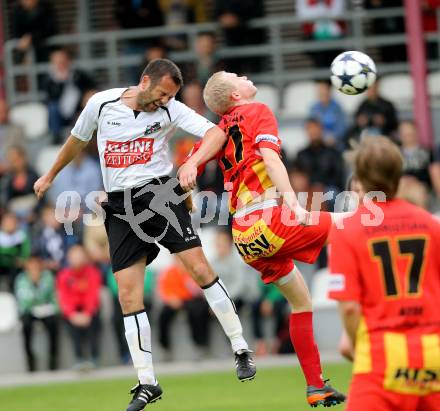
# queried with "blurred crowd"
point(57, 278)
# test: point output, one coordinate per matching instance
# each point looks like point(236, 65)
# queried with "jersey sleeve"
point(188, 120)
point(266, 130)
point(344, 283)
point(87, 121)
point(201, 167)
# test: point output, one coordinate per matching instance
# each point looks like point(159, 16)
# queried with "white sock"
point(224, 309)
point(138, 335)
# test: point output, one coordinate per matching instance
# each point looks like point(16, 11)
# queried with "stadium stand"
point(33, 117)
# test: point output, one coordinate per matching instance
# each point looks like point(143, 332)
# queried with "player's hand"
point(346, 347)
point(42, 185)
point(303, 217)
point(187, 175)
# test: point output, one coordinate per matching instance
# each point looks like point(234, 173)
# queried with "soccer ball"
point(353, 72)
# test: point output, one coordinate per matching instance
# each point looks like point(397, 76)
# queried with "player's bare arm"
point(212, 143)
point(68, 152)
point(351, 315)
point(279, 177)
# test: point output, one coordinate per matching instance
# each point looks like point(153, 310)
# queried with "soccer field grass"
point(274, 389)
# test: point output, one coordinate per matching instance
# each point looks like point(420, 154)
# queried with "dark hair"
point(61, 50)
point(35, 255)
point(159, 68)
point(327, 82)
point(207, 33)
point(314, 120)
point(409, 121)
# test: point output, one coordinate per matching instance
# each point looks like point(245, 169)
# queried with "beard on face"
point(145, 101)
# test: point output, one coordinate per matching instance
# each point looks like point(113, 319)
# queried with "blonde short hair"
point(217, 93)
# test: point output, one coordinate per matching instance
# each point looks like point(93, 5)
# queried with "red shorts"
point(367, 394)
point(270, 239)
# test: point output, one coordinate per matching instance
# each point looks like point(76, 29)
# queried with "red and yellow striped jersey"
point(248, 127)
point(393, 270)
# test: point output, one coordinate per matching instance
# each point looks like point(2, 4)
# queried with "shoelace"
point(135, 388)
point(243, 360)
point(138, 392)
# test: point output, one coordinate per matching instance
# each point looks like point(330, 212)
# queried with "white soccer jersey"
point(133, 146)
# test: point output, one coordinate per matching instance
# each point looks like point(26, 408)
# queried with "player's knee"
point(128, 299)
point(201, 273)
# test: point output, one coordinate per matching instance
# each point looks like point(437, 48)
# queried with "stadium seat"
point(46, 158)
point(398, 88)
point(298, 99)
point(293, 139)
point(268, 95)
point(9, 312)
point(33, 117)
point(434, 84)
point(348, 103)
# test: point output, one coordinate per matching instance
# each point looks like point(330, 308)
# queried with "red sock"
point(301, 335)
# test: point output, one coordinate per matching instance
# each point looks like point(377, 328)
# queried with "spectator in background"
point(118, 318)
point(15, 248)
point(300, 181)
point(184, 11)
point(51, 240)
point(78, 288)
point(134, 14)
point(273, 305)
point(137, 14)
point(376, 115)
point(230, 267)
point(434, 171)
point(430, 25)
point(233, 16)
point(207, 62)
point(65, 88)
point(10, 134)
point(192, 96)
point(36, 300)
point(81, 175)
point(153, 52)
point(17, 184)
point(96, 244)
point(331, 116)
point(389, 25)
point(416, 159)
point(178, 292)
point(179, 12)
point(321, 23)
point(323, 164)
point(33, 21)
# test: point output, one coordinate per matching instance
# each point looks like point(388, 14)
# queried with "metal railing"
point(275, 50)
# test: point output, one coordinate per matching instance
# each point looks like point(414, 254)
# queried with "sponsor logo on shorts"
point(122, 154)
point(257, 242)
point(414, 380)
